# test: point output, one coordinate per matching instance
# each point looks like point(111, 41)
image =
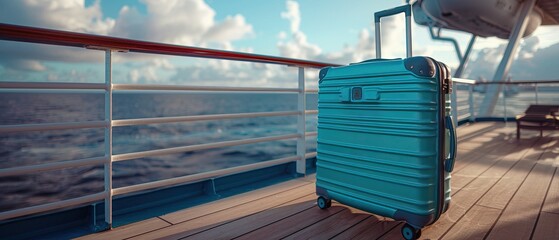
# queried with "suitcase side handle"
point(449, 162)
point(389, 12)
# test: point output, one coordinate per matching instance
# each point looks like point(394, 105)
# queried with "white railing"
point(514, 98)
point(458, 104)
point(110, 45)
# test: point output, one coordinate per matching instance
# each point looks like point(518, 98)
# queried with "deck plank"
point(395, 233)
point(215, 206)
point(474, 224)
point(285, 227)
point(215, 219)
point(518, 219)
point(551, 204)
point(374, 224)
point(331, 226)
point(503, 191)
point(548, 227)
point(465, 158)
point(239, 227)
point(485, 160)
point(470, 224)
point(463, 200)
point(548, 221)
point(482, 139)
point(474, 141)
point(479, 219)
point(130, 230)
point(470, 131)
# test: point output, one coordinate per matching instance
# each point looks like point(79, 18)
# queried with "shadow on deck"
point(501, 189)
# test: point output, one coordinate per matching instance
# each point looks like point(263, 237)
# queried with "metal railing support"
point(301, 124)
point(49, 166)
point(108, 170)
point(51, 126)
point(471, 102)
point(536, 91)
point(492, 92)
point(504, 107)
point(200, 88)
point(207, 117)
point(26, 211)
point(203, 146)
point(437, 36)
point(454, 106)
point(465, 58)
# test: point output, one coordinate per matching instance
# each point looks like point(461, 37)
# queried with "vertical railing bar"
point(108, 170)
point(536, 91)
point(301, 124)
point(505, 105)
point(471, 102)
point(454, 105)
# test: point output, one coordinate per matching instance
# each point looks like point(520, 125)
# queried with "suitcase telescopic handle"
point(389, 12)
point(449, 162)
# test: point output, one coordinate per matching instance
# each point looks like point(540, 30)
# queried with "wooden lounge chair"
point(538, 117)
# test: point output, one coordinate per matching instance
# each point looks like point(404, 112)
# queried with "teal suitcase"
point(386, 142)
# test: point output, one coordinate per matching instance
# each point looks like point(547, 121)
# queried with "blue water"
point(21, 149)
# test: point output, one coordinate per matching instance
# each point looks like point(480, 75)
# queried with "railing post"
point(471, 102)
point(536, 91)
point(108, 170)
point(505, 105)
point(454, 105)
point(301, 124)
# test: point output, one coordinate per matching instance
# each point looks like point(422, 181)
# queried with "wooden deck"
point(501, 189)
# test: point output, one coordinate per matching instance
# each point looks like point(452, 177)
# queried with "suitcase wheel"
point(323, 203)
point(410, 233)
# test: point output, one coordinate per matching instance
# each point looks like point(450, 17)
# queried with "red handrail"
point(64, 38)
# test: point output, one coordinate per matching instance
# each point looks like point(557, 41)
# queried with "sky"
point(330, 31)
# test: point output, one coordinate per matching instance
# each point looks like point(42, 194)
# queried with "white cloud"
point(147, 74)
point(232, 28)
point(530, 63)
point(74, 75)
point(297, 46)
point(392, 32)
point(163, 63)
point(232, 73)
point(26, 65)
point(134, 76)
point(187, 22)
point(170, 22)
point(529, 47)
point(293, 15)
point(151, 71)
point(70, 15)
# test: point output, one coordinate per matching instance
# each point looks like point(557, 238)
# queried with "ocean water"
point(22, 149)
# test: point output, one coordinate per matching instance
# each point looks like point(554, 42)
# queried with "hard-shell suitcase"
point(386, 142)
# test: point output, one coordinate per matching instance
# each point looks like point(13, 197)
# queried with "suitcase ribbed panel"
point(378, 146)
